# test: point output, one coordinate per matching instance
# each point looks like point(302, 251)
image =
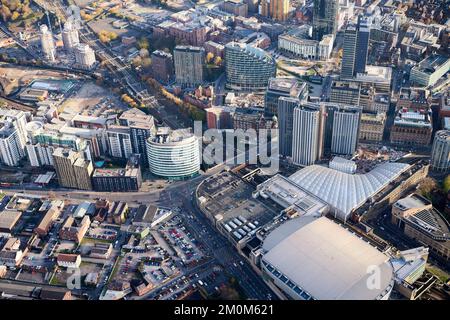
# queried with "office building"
point(285, 124)
point(189, 63)
point(70, 36)
point(430, 70)
point(173, 154)
point(283, 87)
point(341, 129)
point(84, 56)
point(236, 7)
point(47, 44)
point(349, 52)
point(356, 46)
point(345, 131)
point(362, 45)
point(412, 127)
point(307, 141)
point(248, 68)
point(413, 98)
point(162, 66)
point(372, 127)
point(419, 220)
point(279, 9)
point(299, 43)
point(72, 170)
point(345, 92)
point(325, 18)
point(126, 179)
point(440, 154)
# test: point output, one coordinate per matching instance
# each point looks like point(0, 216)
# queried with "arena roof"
point(326, 260)
point(346, 192)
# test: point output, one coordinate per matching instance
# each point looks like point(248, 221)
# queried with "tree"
point(218, 61)
point(427, 186)
point(209, 57)
point(446, 184)
point(143, 43)
point(144, 53)
point(15, 16)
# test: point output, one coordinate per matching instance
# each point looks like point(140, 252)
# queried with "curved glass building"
point(173, 154)
point(248, 68)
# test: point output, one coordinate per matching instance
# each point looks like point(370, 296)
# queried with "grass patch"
point(86, 241)
point(115, 268)
point(441, 274)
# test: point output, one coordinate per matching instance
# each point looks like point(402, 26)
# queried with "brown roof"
point(67, 257)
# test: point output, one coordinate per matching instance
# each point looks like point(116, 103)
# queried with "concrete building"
point(299, 43)
point(247, 68)
point(345, 92)
point(70, 36)
point(84, 56)
point(174, 154)
point(417, 218)
point(286, 108)
point(162, 66)
point(126, 179)
point(372, 127)
point(307, 141)
point(430, 70)
point(412, 127)
point(236, 7)
point(345, 131)
point(440, 154)
point(72, 169)
point(189, 64)
point(279, 9)
point(283, 87)
point(325, 18)
point(47, 44)
point(13, 136)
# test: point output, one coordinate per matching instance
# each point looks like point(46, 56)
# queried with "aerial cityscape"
point(224, 150)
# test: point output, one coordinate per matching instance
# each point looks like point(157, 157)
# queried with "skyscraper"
point(47, 43)
point(325, 18)
point(345, 130)
point(12, 136)
point(349, 50)
point(342, 129)
point(307, 141)
point(285, 123)
point(70, 36)
point(362, 45)
point(356, 46)
point(279, 9)
point(189, 63)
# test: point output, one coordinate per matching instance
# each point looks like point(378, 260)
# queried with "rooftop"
point(326, 261)
point(346, 192)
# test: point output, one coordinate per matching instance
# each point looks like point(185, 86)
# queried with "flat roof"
point(326, 260)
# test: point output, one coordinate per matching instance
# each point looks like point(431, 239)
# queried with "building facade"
point(189, 64)
point(247, 68)
point(325, 18)
point(440, 154)
point(308, 134)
